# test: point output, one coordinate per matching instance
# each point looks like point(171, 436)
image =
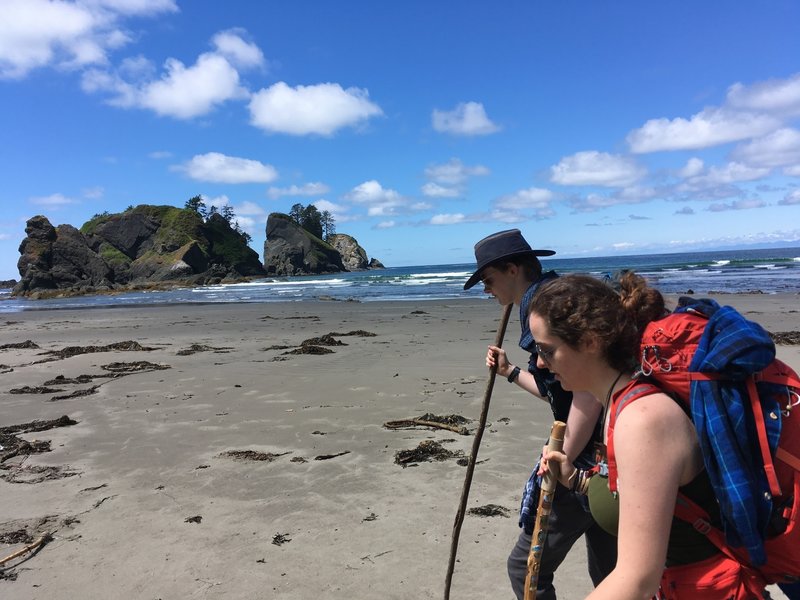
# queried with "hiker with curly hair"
point(588, 335)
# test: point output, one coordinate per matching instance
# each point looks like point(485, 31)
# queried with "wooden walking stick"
point(476, 442)
point(548, 488)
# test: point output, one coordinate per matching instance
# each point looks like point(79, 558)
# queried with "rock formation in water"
point(354, 257)
point(291, 250)
point(143, 245)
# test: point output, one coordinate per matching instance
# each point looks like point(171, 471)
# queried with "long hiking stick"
point(476, 442)
point(549, 481)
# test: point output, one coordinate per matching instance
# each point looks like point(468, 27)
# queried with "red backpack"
point(730, 368)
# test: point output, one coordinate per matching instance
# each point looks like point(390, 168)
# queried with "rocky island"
point(292, 250)
point(153, 247)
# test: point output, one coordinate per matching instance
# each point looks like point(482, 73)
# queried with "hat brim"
point(476, 276)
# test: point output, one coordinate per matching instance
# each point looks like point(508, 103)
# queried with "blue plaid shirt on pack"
point(736, 348)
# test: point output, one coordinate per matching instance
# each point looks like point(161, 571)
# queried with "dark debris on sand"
point(325, 340)
point(310, 350)
point(26, 389)
point(281, 538)
point(14, 446)
point(195, 348)
point(61, 380)
point(787, 338)
point(27, 344)
point(127, 346)
point(252, 455)
point(133, 367)
point(356, 333)
point(490, 510)
point(76, 394)
point(330, 456)
point(428, 450)
point(34, 473)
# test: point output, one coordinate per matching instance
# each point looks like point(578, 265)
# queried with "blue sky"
point(596, 128)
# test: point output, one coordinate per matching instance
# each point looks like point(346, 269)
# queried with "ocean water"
point(731, 271)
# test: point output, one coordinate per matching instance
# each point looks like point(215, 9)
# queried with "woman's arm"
point(655, 448)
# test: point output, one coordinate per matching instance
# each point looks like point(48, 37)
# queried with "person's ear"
point(590, 343)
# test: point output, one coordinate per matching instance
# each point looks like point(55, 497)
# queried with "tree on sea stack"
point(318, 224)
point(196, 204)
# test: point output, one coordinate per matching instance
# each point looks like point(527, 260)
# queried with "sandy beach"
point(221, 451)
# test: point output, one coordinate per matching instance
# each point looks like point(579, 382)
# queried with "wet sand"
point(240, 451)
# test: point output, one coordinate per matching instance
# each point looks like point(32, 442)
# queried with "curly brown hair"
point(573, 306)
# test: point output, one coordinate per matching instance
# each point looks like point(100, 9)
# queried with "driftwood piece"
point(420, 422)
point(41, 541)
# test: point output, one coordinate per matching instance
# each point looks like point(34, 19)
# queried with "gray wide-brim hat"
point(500, 246)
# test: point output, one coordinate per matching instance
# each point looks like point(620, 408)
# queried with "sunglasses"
point(545, 354)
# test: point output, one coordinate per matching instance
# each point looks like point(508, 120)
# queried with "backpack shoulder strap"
point(625, 397)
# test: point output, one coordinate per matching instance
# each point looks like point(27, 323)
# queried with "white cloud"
point(135, 7)
point(467, 118)
point(536, 199)
point(307, 189)
point(382, 201)
point(711, 127)
point(447, 219)
point(780, 96)
point(237, 50)
point(779, 148)
point(182, 92)
point(371, 191)
point(52, 201)
point(730, 173)
point(160, 155)
point(737, 205)
point(596, 168)
point(188, 92)
point(454, 172)
point(219, 168)
point(523, 205)
point(434, 190)
point(41, 33)
point(249, 208)
point(338, 211)
point(748, 112)
point(331, 207)
point(504, 216)
point(385, 225)
point(630, 195)
point(791, 198)
point(319, 109)
point(792, 171)
point(694, 166)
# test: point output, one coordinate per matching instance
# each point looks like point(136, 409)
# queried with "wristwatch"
point(512, 377)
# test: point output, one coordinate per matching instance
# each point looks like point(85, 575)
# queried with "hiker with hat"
point(510, 270)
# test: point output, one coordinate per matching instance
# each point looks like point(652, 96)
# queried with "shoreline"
point(226, 459)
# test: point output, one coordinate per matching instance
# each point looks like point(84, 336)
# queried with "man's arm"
point(583, 415)
point(524, 379)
